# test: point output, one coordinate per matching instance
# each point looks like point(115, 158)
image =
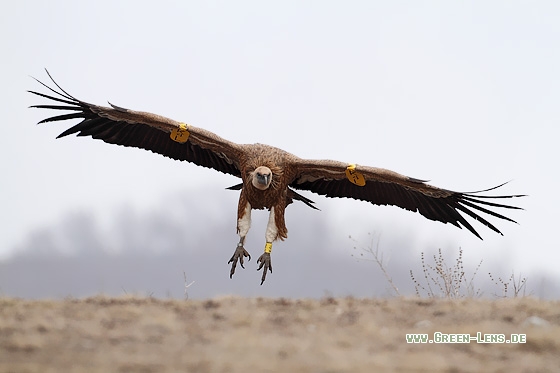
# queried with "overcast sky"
point(465, 94)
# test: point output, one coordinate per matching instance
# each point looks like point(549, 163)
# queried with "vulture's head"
point(262, 177)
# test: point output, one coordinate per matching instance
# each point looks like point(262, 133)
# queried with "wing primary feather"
point(52, 98)
point(478, 218)
point(81, 126)
point(58, 107)
point(62, 117)
point(475, 200)
point(489, 212)
point(68, 95)
point(52, 90)
point(493, 197)
point(489, 189)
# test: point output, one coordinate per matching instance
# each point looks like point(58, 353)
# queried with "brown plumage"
point(269, 174)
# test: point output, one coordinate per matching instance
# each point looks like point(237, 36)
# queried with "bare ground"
point(229, 334)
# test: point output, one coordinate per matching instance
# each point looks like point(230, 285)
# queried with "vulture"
point(269, 175)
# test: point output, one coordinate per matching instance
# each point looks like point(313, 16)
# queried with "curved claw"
point(238, 255)
point(266, 264)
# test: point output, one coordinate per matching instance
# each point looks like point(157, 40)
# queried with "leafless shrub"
point(444, 281)
point(519, 285)
point(186, 285)
point(377, 258)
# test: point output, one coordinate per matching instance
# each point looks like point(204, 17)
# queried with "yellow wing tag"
point(180, 134)
point(268, 247)
point(354, 176)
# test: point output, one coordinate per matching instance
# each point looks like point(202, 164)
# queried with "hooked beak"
point(263, 179)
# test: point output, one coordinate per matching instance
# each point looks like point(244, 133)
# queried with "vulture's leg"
point(271, 235)
point(243, 225)
point(265, 261)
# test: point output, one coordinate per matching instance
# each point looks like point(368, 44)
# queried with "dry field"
point(229, 334)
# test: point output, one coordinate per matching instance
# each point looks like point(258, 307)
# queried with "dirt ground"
point(230, 334)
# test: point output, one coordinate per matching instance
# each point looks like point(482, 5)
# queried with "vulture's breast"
point(261, 199)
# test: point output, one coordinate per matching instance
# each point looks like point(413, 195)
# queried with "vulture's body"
point(269, 175)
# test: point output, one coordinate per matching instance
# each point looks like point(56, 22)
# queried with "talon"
point(266, 264)
point(238, 255)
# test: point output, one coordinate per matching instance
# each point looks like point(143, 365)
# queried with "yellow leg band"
point(268, 247)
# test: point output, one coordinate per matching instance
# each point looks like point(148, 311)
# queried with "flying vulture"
point(269, 175)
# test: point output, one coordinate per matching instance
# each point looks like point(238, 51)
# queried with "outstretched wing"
point(384, 187)
point(116, 125)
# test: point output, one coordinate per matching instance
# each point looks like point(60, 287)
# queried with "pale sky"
point(465, 94)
